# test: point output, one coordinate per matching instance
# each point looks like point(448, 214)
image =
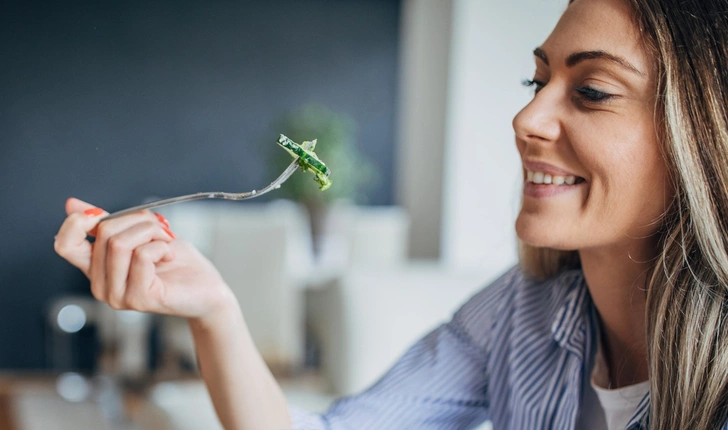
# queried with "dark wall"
point(116, 101)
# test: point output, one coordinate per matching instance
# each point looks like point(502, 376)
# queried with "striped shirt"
point(517, 354)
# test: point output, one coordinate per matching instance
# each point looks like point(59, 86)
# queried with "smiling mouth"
point(548, 179)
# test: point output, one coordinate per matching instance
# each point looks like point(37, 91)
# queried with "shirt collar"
point(641, 417)
point(569, 327)
point(569, 324)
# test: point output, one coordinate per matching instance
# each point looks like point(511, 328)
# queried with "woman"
point(616, 317)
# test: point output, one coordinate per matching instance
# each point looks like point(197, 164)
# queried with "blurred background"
point(123, 102)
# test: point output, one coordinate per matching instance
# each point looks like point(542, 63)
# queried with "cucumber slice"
point(307, 160)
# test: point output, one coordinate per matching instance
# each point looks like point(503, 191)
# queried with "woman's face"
point(593, 173)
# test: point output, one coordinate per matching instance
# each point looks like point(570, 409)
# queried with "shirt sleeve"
point(440, 383)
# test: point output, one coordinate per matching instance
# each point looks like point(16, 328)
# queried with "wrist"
point(222, 315)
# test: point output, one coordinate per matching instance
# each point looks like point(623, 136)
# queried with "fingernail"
point(162, 219)
point(166, 230)
point(93, 212)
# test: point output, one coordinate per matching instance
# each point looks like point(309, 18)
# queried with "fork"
point(214, 195)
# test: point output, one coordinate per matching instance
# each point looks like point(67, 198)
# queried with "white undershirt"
point(605, 409)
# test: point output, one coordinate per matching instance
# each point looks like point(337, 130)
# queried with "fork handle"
point(187, 198)
point(214, 195)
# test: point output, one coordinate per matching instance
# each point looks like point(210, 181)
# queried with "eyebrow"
point(577, 57)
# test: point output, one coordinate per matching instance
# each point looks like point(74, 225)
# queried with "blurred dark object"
point(72, 336)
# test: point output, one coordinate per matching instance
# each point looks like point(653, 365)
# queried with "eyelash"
point(587, 94)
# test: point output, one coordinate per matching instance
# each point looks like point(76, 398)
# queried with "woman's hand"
point(135, 262)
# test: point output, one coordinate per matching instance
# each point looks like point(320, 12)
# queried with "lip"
point(540, 166)
point(547, 190)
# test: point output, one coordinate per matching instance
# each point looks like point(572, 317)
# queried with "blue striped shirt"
point(517, 353)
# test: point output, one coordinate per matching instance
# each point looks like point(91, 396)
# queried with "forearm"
point(244, 392)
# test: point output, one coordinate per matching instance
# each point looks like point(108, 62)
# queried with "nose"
point(539, 120)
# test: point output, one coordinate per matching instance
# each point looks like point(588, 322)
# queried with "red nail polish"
point(166, 230)
point(162, 219)
point(93, 212)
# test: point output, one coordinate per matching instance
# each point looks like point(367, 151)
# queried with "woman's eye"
point(538, 85)
point(591, 95)
point(586, 94)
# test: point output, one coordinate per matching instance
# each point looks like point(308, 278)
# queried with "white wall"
point(490, 55)
point(478, 178)
point(424, 63)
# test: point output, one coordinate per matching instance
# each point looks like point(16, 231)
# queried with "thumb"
point(74, 205)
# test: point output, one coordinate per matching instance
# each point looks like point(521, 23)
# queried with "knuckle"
point(133, 301)
point(116, 244)
point(97, 293)
point(60, 248)
point(115, 303)
point(141, 254)
point(102, 230)
point(64, 249)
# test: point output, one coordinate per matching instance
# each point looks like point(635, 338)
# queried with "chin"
point(540, 236)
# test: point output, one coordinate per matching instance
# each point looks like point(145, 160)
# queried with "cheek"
point(630, 183)
point(641, 168)
point(622, 157)
point(655, 189)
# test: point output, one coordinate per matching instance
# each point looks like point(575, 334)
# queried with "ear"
point(74, 205)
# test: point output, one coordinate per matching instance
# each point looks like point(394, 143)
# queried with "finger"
point(120, 249)
point(105, 231)
point(143, 286)
point(74, 205)
point(70, 242)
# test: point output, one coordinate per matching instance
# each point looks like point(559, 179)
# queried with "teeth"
point(545, 178)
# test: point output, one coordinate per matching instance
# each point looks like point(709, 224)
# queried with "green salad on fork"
point(308, 161)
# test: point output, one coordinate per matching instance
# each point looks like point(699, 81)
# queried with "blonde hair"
point(687, 290)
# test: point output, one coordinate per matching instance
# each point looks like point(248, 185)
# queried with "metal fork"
point(215, 195)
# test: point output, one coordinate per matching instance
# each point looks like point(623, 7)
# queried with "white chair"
point(370, 235)
point(193, 222)
point(263, 251)
point(370, 316)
